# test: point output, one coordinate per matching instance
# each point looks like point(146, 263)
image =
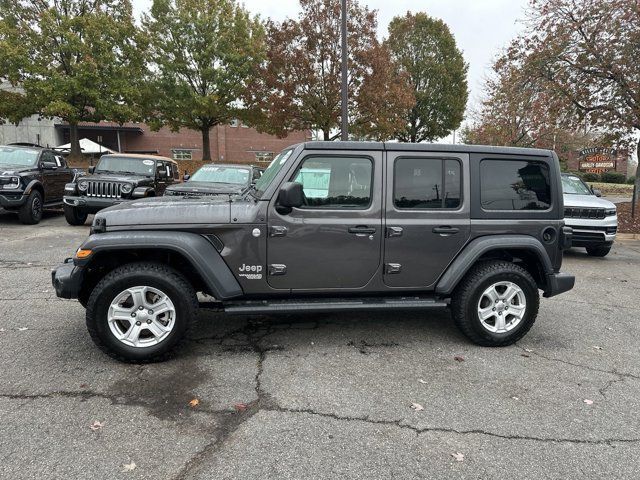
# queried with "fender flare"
point(32, 184)
point(479, 246)
point(195, 248)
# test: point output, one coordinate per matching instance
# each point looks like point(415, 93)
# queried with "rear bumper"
point(67, 279)
point(91, 204)
point(558, 283)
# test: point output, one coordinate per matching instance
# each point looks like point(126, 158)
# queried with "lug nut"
point(133, 314)
point(138, 323)
point(494, 309)
point(149, 321)
point(499, 313)
point(150, 312)
point(141, 308)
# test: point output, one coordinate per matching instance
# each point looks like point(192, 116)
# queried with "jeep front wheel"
point(496, 303)
point(140, 312)
point(74, 216)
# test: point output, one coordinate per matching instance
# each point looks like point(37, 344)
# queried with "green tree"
point(79, 60)
point(299, 85)
point(205, 53)
point(425, 49)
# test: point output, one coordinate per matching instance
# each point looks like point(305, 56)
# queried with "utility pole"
point(345, 120)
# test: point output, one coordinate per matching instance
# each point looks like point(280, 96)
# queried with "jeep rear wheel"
point(31, 212)
point(74, 216)
point(495, 304)
point(140, 312)
point(599, 251)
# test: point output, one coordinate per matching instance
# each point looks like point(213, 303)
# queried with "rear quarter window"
point(514, 185)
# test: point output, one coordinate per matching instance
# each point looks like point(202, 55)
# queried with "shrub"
point(591, 177)
point(631, 180)
point(613, 177)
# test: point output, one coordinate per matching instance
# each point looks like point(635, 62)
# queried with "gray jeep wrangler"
point(333, 226)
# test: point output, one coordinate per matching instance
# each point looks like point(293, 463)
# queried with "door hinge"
point(394, 232)
point(277, 231)
point(277, 269)
point(392, 268)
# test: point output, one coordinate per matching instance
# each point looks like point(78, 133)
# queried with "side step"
point(320, 305)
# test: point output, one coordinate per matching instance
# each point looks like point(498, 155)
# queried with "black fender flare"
point(33, 184)
point(195, 248)
point(478, 247)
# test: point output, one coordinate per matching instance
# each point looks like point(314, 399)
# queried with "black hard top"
point(425, 147)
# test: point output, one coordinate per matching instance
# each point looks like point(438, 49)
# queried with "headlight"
point(126, 188)
point(83, 185)
point(609, 212)
point(14, 183)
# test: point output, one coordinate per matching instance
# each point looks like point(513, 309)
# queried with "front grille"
point(579, 212)
point(587, 236)
point(103, 189)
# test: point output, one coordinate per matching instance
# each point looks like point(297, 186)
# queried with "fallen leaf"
point(588, 402)
point(194, 403)
point(417, 407)
point(525, 355)
point(22, 329)
point(240, 407)
point(128, 467)
point(422, 381)
point(597, 347)
point(458, 456)
point(458, 358)
point(96, 425)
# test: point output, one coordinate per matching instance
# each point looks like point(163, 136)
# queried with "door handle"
point(444, 230)
point(362, 230)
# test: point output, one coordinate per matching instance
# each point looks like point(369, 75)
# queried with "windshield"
point(18, 156)
point(113, 163)
point(574, 186)
point(272, 170)
point(217, 174)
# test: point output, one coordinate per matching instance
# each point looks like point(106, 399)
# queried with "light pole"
point(345, 120)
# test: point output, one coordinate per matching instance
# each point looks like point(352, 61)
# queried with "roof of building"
point(142, 156)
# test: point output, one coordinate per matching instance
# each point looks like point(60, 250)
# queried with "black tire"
point(74, 215)
point(155, 275)
point(466, 297)
point(599, 251)
point(31, 212)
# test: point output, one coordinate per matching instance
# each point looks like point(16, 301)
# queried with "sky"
point(482, 28)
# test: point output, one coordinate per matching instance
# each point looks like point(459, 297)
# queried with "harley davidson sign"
point(597, 160)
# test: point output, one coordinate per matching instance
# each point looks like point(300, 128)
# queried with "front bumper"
point(592, 232)
point(12, 200)
point(558, 283)
point(92, 204)
point(67, 279)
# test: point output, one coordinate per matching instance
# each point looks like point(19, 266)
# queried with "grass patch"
point(613, 189)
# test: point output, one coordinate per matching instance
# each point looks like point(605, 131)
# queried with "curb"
point(628, 236)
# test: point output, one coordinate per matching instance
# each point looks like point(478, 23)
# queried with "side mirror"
point(49, 165)
point(186, 176)
point(596, 192)
point(291, 195)
point(91, 169)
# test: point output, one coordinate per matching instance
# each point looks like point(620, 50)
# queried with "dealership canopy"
point(88, 146)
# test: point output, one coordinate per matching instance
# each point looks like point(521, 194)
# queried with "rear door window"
point(427, 183)
point(514, 185)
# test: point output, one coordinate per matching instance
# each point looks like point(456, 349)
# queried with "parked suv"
point(115, 179)
point(333, 226)
point(594, 220)
point(31, 179)
point(217, 179)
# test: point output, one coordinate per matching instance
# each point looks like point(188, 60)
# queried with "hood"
point(13, 169)
point(204, 188)
point(117, 177)
point(159, 211)
point(586, 201)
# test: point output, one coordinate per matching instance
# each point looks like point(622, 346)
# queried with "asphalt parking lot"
point(323, 396)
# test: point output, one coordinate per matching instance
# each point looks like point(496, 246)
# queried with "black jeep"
point(115, 179)
point(31, 179)
point(333, 226)
point(217, 179)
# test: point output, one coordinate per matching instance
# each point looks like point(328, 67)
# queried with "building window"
point(234, 123)
point(264, 157)
point(180, 154)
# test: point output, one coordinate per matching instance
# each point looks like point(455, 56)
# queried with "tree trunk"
point(327, 135)
point(75, 152)
point(206, 146)
point(636, 185)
